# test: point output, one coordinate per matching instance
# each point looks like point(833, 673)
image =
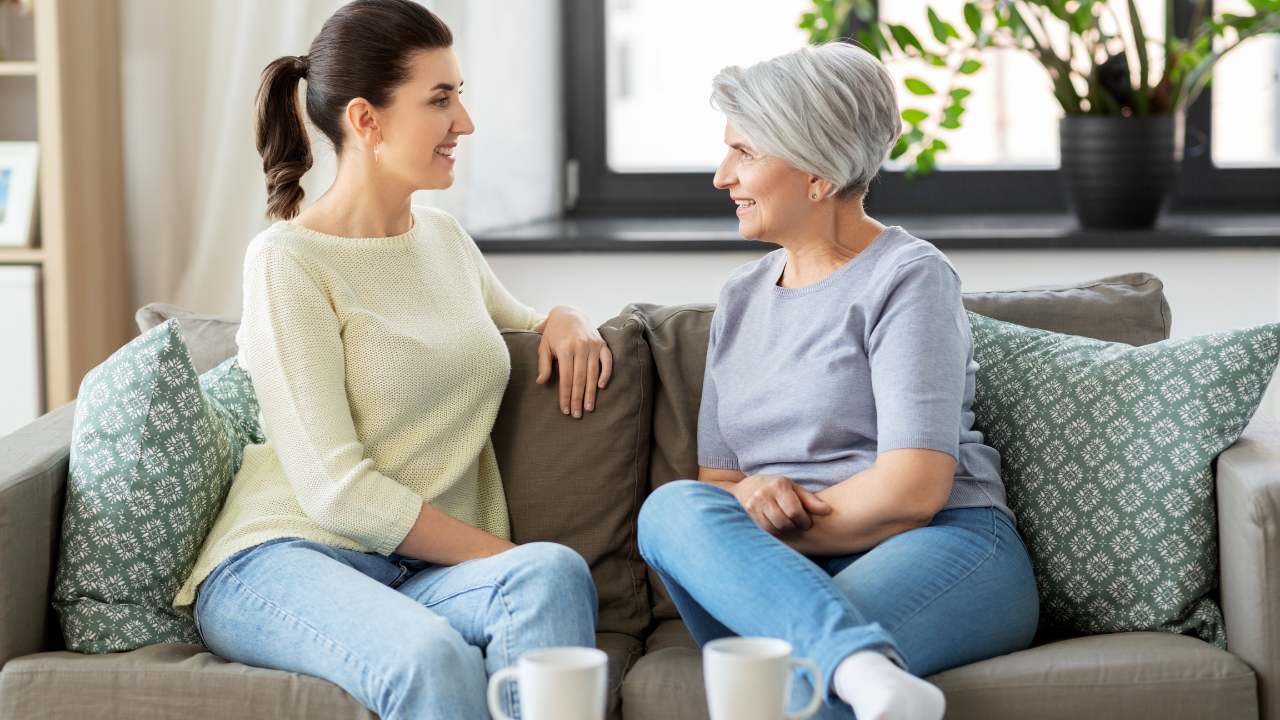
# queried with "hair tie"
point(303, 65)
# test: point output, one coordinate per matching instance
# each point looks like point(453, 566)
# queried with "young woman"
point(366, 542)
point(844, 501)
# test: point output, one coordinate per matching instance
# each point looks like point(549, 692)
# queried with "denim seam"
point(506, 636)
point(368, 667)
point(995, 544)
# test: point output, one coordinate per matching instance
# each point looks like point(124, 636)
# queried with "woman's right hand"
point(777, 504)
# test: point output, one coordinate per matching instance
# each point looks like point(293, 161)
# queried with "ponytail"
point(363, 51)
point(282, 137)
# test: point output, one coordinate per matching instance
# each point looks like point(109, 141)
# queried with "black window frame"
point(597, 191)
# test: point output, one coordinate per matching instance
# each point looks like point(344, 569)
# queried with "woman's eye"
point(442, 102)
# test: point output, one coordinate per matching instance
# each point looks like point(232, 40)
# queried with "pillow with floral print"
point(1106, 453)
point(153, 452)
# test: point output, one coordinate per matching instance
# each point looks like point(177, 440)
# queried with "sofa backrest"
point(581, 483)
point(1129, 308)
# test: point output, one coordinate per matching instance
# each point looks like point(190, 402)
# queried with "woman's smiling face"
point(421, 126)
point(772, 196)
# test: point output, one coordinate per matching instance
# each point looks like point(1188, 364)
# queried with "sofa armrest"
point(1248, 480)
point(33, 479)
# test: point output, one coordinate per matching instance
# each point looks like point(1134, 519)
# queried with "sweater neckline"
point(405, 238)
point(780, 266)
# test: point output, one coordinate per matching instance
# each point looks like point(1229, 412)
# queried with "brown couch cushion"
point(1126, 675)
point(1129, 308)
point(161, 682)
point(581, 482)
point(1126, 308)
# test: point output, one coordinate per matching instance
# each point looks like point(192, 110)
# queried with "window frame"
point(595, 190)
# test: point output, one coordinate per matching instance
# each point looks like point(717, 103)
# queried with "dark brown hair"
point(362, 51)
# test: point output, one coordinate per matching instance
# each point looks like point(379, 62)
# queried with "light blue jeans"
point(406, 638)
point(954, 592)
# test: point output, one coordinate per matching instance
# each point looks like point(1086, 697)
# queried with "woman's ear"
point(819, 188)
point(363, 122)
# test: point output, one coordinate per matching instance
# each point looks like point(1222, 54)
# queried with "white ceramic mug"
point(564, 683)
point(748, 678)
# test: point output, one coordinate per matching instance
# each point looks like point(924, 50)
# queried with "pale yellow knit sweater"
point(379, 367)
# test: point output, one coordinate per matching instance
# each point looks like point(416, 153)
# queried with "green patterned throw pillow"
point(1106, 452)
point(153, 452)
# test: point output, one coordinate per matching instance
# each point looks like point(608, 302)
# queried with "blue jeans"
point(406, 638)
point(954, 592)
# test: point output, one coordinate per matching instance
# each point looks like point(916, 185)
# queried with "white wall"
point(1207, 290)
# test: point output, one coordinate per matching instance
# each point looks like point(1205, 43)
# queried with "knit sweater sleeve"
point(507, 312)
point(292, 347)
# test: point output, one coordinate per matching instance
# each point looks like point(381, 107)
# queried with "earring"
point(377, 153)
point(813, 197)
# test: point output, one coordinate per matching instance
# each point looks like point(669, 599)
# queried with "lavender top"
point(813, 383)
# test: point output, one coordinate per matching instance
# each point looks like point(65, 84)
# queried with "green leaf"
point(959, 94)
point(905, 38)
point(936, 60)
point(899, 148)
point(950, 124)
point(914, 136)
point(924, 162)
point(807, 21)
point(938, 145)
point(952, 112)
point(917, 86)
point(914, 116)
point(942, 30)
point(829, 15)
point(973, 17)
point(1082, 18)
point(969, 67)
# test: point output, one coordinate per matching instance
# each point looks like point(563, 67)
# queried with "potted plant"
point(1123, 104)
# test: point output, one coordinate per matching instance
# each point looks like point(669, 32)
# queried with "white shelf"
point(18, 69)
point(21, 255)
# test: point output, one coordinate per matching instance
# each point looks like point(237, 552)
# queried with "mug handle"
point(819, 688)
point(495, 687)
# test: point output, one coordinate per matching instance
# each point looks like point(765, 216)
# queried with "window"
point(658, 75)
point(644, 140)
point(1246, 100)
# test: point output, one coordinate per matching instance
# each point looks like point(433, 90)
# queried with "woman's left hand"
point(585, 361)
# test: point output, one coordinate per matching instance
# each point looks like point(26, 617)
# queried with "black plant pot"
point(1119, 170)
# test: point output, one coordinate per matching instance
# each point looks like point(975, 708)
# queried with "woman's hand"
point(778, 505)
point(585, 361)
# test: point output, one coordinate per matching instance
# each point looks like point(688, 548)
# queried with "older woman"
point(844, 501)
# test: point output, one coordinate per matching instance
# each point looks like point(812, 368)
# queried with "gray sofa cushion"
point(162, 682)
point(33, 479)
point(210, 339)
point(1137, 675)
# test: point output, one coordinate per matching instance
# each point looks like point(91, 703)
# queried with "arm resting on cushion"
point(1249, 553)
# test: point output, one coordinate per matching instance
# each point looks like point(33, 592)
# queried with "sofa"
point(582, 482)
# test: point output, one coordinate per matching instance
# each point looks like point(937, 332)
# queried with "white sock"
point(880, 690)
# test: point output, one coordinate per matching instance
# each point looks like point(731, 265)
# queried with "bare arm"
point(720, 478)
point(440, 538)
point(902, 491)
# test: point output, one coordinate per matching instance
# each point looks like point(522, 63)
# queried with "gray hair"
point(829, 110)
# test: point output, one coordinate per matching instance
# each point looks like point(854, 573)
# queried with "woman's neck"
point(360, 204)
point(835, 239)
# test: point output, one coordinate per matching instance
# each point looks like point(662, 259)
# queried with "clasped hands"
point(778, 505)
